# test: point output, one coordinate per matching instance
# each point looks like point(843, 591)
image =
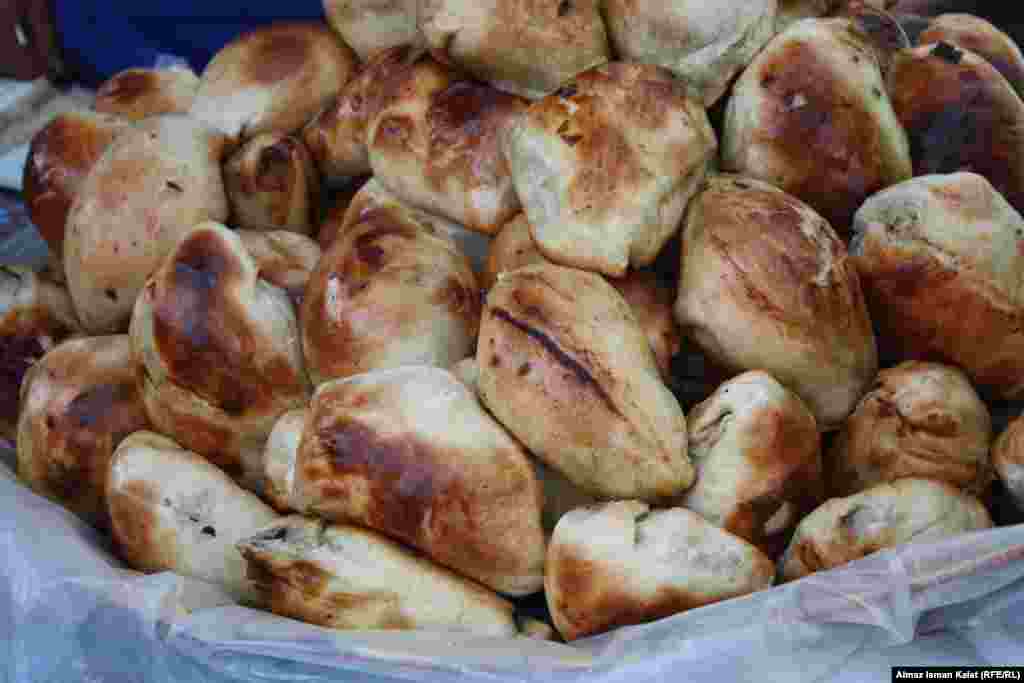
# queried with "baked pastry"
point(982, 38)
point(370, 26)
point(283, 259)
point(705, 44)
point(78, 402)
point(434, 140)
point(767, 284)
point(136, 94)
point(960, 114)
point(523, 47)
point(273, 79)
point(346, 577)
point(171, 510)
point(941, 258)
point(811, 116)
point(35, 315)
point(623, 563)
point(606, 165)
point(884, 516)
point(919, 420)
point(217, 351)
point(757, 452)
point(392, 290)
point(153, 184)
point(272, 184)
point(565, 366)
point(411, 453)
point(1008, 461)
point(791, 11)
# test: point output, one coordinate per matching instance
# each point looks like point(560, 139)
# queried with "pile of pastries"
point(267, 354)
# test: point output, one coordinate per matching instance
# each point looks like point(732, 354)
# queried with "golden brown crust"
point(80, 401)
point(960, 114)
point(272, 184)
point(135, 94)
point(372, 26)
point(284, 259)
point(982, 38)
point(59, 158)
point(919, 420)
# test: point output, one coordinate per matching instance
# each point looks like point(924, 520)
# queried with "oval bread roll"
point(756, 449)
point(346, 577)
point(884, 516)
point(1008, 460)
point(919, 420)
point(284, 259)
point(172, 510)
point(411, 453)
point(153, 184)
point(622, 563)
point(565, 366)
point(982, 38)
point(371, 26)
point(79, 402)
point(136, 94)
point(767, 284)
point(606, 165)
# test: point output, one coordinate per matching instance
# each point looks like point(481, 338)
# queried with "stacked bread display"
point(412, 401)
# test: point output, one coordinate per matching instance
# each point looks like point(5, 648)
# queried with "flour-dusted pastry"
point(565, 366)
point(941, 259)
point(171, 510)
point(982, 38)
point(434, 140)
point(960, 114)
point(154, 183)
point(410, 452)
point(767, 284)
point(757, 452)
point(347, 577)
point(35, 315)
point(273, 79)
point(371, 26)
point(606, 165)
point(920, 420)
point(812, 117)
point(272, 184)
point(135, 94)
point(623, 563)
point(1008, 460)
point(705, 44)
point(78, 403)
point(218, 352)
point(284, 259)
point(392, 290)
point(884, 516)
point(524, 47)
point(59, 158)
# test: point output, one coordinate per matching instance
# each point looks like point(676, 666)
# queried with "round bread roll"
point(35, 316)
point(136, 94)
point(650, 300)
point(961, 114)
point(757, 452)
point(434, 140)
point(284, 259)
point(392, 290)
point(59, 158)
point(565, 366)
point(171, 510)
point(410, 452)
point(154, 182)
point(885, 516)
point(1008, 460)
point(765, 283)
point(79, 402)
point(371, 26)
point(705, 44)
point(273, 79)
point(622, 563)
point(272, 184)
point(811, 116)
point(919, 420)
point(217, 351)
point(606, 165)
point(523, 47)
point(941, 259)
point(982, 38)
point(345, 577)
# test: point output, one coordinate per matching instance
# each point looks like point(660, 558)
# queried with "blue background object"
point(102, 37)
